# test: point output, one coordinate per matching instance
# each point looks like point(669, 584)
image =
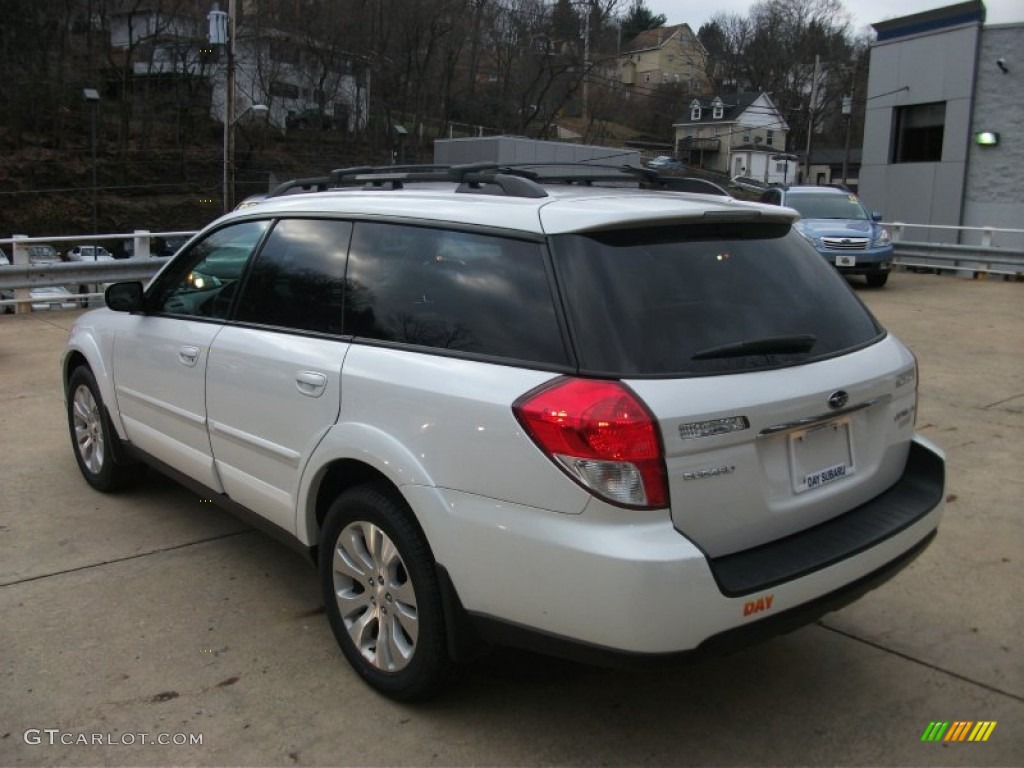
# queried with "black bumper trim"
point(915, 494)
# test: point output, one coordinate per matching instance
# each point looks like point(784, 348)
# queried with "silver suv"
point(559, 408)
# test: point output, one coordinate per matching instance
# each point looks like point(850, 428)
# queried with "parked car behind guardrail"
point(88, 253)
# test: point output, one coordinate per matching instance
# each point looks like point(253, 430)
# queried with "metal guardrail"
point(22, 277)
point(24, 274)
point(80, 277)
point(140, 239)
point(970, 258)
point(78, 272)
point(983, 257)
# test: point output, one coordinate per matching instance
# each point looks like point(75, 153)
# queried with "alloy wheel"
point(375, 596)
point(88, 427)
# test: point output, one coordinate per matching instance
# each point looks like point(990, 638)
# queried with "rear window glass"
point(705, 299)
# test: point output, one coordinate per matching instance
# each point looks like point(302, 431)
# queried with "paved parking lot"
point(154, 613)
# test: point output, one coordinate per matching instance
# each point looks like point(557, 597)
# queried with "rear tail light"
point(602, 435)
point(908, 377)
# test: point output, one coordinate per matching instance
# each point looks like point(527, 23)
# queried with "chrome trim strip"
point(823, 418)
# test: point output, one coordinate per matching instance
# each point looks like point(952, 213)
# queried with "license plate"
point(846, 261)
point(821, 455)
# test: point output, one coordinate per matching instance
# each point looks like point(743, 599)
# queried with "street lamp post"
point(229, 150)
point(92, 97)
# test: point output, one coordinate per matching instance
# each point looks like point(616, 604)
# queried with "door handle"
point(188, 355)
point(311, 383)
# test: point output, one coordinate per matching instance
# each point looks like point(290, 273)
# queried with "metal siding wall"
point(920, 69)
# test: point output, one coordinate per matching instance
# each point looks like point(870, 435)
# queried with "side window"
point(297, 279)
point(203, 281)
point(452, 290)
point(919, 133)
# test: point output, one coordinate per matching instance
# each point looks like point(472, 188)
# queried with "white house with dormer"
point(739, 134)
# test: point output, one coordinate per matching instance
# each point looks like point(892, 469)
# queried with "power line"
point(193, 186)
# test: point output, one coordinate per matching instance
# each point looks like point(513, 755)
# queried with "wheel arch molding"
point(83, 349)
point(353, 454)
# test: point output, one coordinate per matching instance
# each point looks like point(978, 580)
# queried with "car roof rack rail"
point(376, 177)
point(508, 179)
point(318, 184)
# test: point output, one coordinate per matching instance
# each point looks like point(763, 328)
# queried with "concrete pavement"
point(154, 613)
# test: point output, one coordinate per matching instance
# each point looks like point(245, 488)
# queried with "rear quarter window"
point(463, 292)
point(651, 302)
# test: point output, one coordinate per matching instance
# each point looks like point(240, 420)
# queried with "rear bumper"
point(614, 582)
point(497, 632)
point(918, 491)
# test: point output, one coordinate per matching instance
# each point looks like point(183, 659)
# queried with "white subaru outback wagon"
point(563, 409)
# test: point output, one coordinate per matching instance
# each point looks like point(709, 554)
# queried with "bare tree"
point(37, 66)
point(135, 29)
point(774, 49)
point(638, 18)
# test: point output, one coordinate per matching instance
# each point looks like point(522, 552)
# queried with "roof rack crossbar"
point(510, 185)
point(340, 176)
point(318, 184)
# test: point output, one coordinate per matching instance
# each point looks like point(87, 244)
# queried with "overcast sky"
point(864, 12)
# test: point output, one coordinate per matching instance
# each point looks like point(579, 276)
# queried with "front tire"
point(381, 593)
point(92, 437)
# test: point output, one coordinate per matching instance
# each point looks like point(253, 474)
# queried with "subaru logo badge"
point(838, 399)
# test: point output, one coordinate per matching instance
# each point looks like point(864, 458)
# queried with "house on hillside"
point(739, 134)
point(300, 79)
point(664, 55)
point(153, 41)
point(300, 85)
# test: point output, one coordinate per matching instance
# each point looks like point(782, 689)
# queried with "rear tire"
point(381, 593)
point(92, 437)
point(877, 281)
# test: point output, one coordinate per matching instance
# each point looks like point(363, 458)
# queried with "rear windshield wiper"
point(770, 345)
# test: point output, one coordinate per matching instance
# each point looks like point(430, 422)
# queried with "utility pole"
point(92, 98)
point(588, 8)
point(229, 113)
point(810, 119)
point(222, 32)
point(847, 110)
